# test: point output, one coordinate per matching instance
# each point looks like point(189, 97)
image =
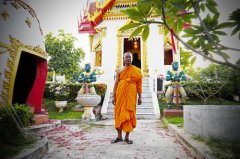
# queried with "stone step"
point(144, 104)
point(144, 95)
point(144, 100)
point(145, 84)
point(145, 110)
point(139, 110)
point(147, 89)
point(143, 116)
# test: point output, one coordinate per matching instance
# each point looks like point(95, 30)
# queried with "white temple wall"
point(155, 50)
point(15, 26)
point(109, 50)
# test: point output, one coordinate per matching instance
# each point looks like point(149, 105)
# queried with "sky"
point(64, 14)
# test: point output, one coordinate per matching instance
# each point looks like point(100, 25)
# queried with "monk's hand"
point(114, 101)
point(139, 101)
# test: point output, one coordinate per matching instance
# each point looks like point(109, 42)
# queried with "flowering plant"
point(60, 91)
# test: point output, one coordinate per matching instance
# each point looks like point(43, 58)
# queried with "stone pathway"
point(92, 141)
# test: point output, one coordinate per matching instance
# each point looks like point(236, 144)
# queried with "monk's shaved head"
point(127, 53)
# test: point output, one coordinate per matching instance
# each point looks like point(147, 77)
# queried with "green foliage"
point(187, 60)
point(65, 58)
point(59, 90)
point(204, 36)
point(73, 91)
point(9, 130)
point(214, 78)
point(235, 22)
point(49, 76)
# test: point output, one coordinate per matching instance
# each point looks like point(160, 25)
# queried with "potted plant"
point(60, 93)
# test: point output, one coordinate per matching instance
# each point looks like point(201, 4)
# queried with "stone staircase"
point(146, 110)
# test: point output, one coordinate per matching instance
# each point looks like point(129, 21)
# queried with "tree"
point(203, 36)
point(65, 58)
point(187, 60)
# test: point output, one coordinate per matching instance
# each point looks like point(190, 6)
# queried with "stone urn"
point(88, 101)
point(60, 105)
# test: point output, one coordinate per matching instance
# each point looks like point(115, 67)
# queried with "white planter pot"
point(88, 101)
point(60, 105)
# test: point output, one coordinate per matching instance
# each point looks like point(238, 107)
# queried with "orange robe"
point(130, 82)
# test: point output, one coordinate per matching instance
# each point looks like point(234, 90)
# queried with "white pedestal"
point(88, 113)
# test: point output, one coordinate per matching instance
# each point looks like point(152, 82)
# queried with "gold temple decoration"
point(15, 48)
point(98, 60)
point(161, 29)
point(90, 41)
point(98, 45)
point(19, 3)
point(15, 5)
point(5, 15)
point(115, 13)
point(28, 21)
point(145, 63)
point(101, 31)
point(119, 51)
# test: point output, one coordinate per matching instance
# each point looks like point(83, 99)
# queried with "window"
point(168, 56)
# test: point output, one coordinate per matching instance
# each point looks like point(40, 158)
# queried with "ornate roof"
point(100, 10)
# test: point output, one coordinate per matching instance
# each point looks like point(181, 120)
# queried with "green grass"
point(68, 112)
point(216, 101)
point(176, 121)
point(221, 149)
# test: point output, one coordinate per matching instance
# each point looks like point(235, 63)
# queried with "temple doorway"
point(134, 46)
point(25, 77)
point(30, 80)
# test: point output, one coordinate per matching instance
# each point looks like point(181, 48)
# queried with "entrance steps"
point(149, 108)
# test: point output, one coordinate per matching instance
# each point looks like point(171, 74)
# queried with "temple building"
point(102, 21)
point(23, 60)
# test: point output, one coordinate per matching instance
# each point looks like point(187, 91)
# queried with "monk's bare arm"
point(139, 98)
point(115, 88)
point(139, 91)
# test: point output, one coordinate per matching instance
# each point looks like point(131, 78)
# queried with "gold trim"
point(15, 49)
point(119, 51)
point(98, 59)
point(125, 1)
point(145, 64)
point(5, 15)
point(101, 31)
point(90, 41)
point(97, 44)
point(29, 23)
point(167, 40)
point(161, 30)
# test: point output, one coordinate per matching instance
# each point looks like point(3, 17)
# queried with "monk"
point(128, 85)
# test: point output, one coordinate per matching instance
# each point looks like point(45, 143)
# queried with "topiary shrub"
point(9, 130)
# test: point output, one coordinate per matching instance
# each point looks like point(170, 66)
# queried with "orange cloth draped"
point(130, 82)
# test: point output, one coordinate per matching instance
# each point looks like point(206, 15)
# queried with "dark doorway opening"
point(168, 56)
point(25, 77)
point(133, 46)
